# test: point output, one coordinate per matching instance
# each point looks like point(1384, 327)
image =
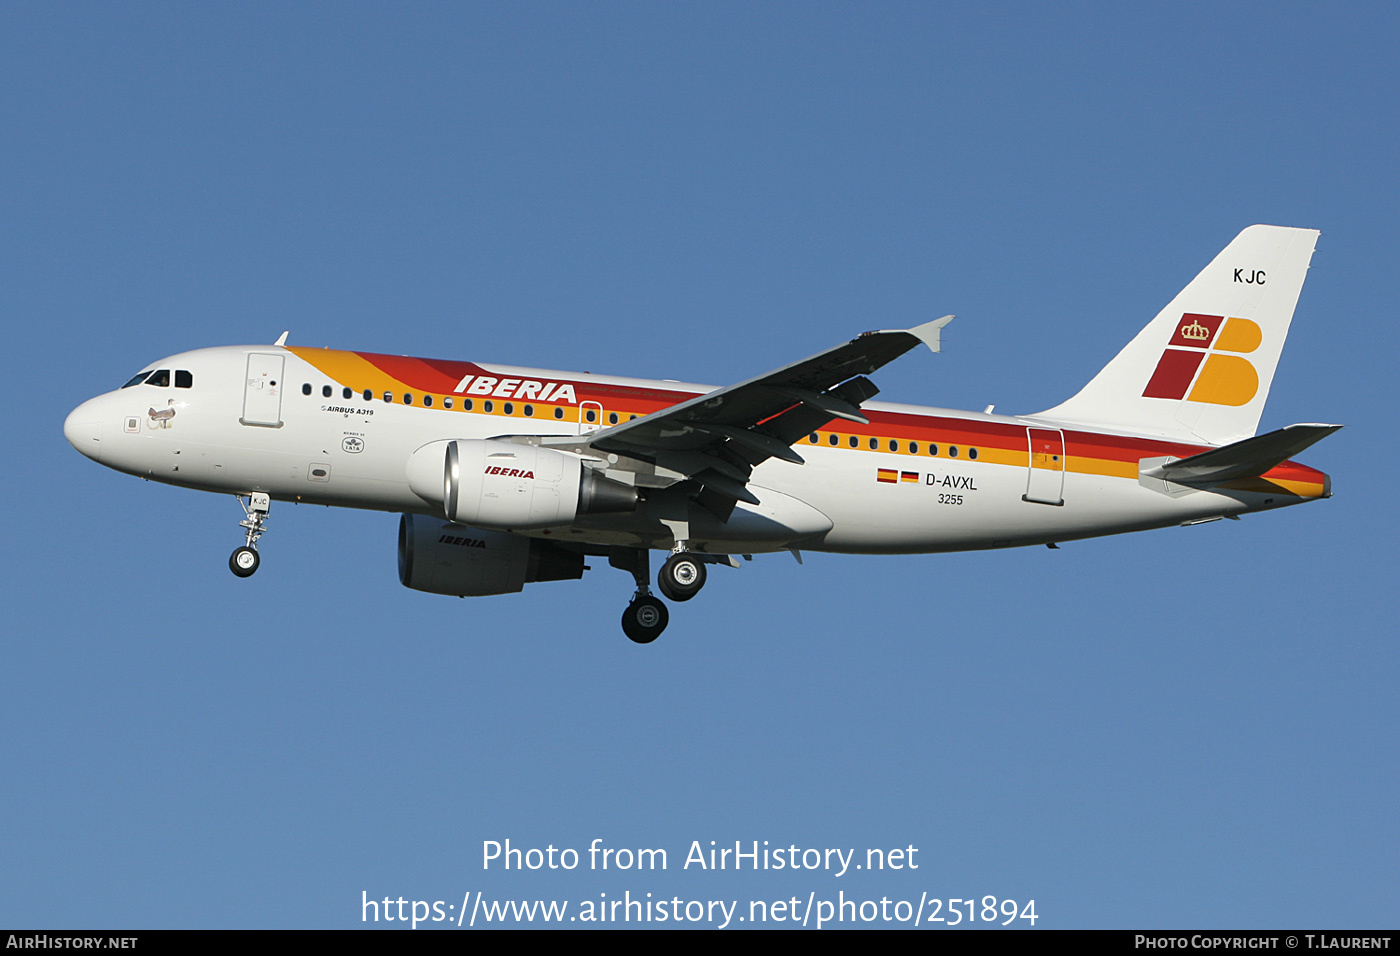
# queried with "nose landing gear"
point(244, 561)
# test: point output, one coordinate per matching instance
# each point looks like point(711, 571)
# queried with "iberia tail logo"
point(1194, 360)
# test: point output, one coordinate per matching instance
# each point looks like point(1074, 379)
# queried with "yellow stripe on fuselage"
point(348, 369)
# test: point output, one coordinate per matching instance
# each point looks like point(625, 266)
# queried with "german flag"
point(886, 474)
point(909, 476)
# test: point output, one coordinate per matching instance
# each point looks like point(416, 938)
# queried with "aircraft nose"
point(83, 429)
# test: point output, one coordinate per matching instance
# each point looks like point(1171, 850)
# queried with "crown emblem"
point(1195, 331)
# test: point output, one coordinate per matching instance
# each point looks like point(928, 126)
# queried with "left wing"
point(717, 438)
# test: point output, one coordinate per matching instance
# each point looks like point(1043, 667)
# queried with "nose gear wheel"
point(244, 561)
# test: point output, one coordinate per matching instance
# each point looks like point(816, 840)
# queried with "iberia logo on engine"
point(509, 472)
point(1195, 347)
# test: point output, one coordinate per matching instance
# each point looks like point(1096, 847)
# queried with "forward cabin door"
point(262, 390)
point(1045, 482)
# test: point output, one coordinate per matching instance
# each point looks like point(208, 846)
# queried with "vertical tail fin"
point(1200, 371)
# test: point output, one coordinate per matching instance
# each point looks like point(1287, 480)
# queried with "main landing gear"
point(680, 579)
point(244, 561)
point(644, 619)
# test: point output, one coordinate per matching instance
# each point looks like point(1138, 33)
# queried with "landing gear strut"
point(244, 561)
point(646, 617)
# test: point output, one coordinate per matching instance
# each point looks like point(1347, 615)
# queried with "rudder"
point(1201, 370)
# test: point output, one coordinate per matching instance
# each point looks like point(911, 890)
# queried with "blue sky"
point(1193, 727)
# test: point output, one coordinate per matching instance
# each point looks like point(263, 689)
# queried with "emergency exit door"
point(590, 416)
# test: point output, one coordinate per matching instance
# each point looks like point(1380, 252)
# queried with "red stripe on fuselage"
point(442, 376)
point(422, 374)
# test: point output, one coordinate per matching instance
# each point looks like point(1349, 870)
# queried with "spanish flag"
point(887, 474)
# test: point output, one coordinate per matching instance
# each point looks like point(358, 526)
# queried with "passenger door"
point(262, 390)
point(1045, 482)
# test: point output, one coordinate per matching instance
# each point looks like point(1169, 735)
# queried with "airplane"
point(507, 476)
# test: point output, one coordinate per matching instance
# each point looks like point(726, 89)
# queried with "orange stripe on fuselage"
point(995, 443)
point(349, 368)
point(401, 375)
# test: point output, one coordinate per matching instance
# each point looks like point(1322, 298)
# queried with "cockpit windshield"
point(160, 378)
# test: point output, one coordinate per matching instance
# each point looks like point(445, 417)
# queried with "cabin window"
point(467, 404)
point(933, 449)
point(510, 408)
point(952, 451)
point(529, 411)
point(183, 379)
point(306, 389)
point(428, 401)
point(488, 406)
point(447, 402)
point(972, 453)
point(913, 448)
point(136, 379)
point(325, 391)
point(407, 398)
point(388, 396)
point(558, 413)
point(832, 439)
point(855, 442)
point(612, 418)
point(591, 415)
point(812, 438)
point(160, 378)
point(346, 392)
point(874, 444)
point(369, 396)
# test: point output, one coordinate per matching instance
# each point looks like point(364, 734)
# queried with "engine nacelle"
point(500, 484)
point(444, 558)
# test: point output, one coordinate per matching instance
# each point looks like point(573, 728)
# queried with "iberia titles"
point(523, 388)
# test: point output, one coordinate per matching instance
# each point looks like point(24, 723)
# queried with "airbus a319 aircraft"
point(507, 476)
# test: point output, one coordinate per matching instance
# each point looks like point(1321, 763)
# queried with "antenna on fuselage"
point(282, 339)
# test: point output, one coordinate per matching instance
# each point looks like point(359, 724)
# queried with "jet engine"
point(445, 558)
point(504, 485)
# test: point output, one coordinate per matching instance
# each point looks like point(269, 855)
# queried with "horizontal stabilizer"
point(1249, 458)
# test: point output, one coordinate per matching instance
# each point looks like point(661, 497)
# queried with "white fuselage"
point(918, 490)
